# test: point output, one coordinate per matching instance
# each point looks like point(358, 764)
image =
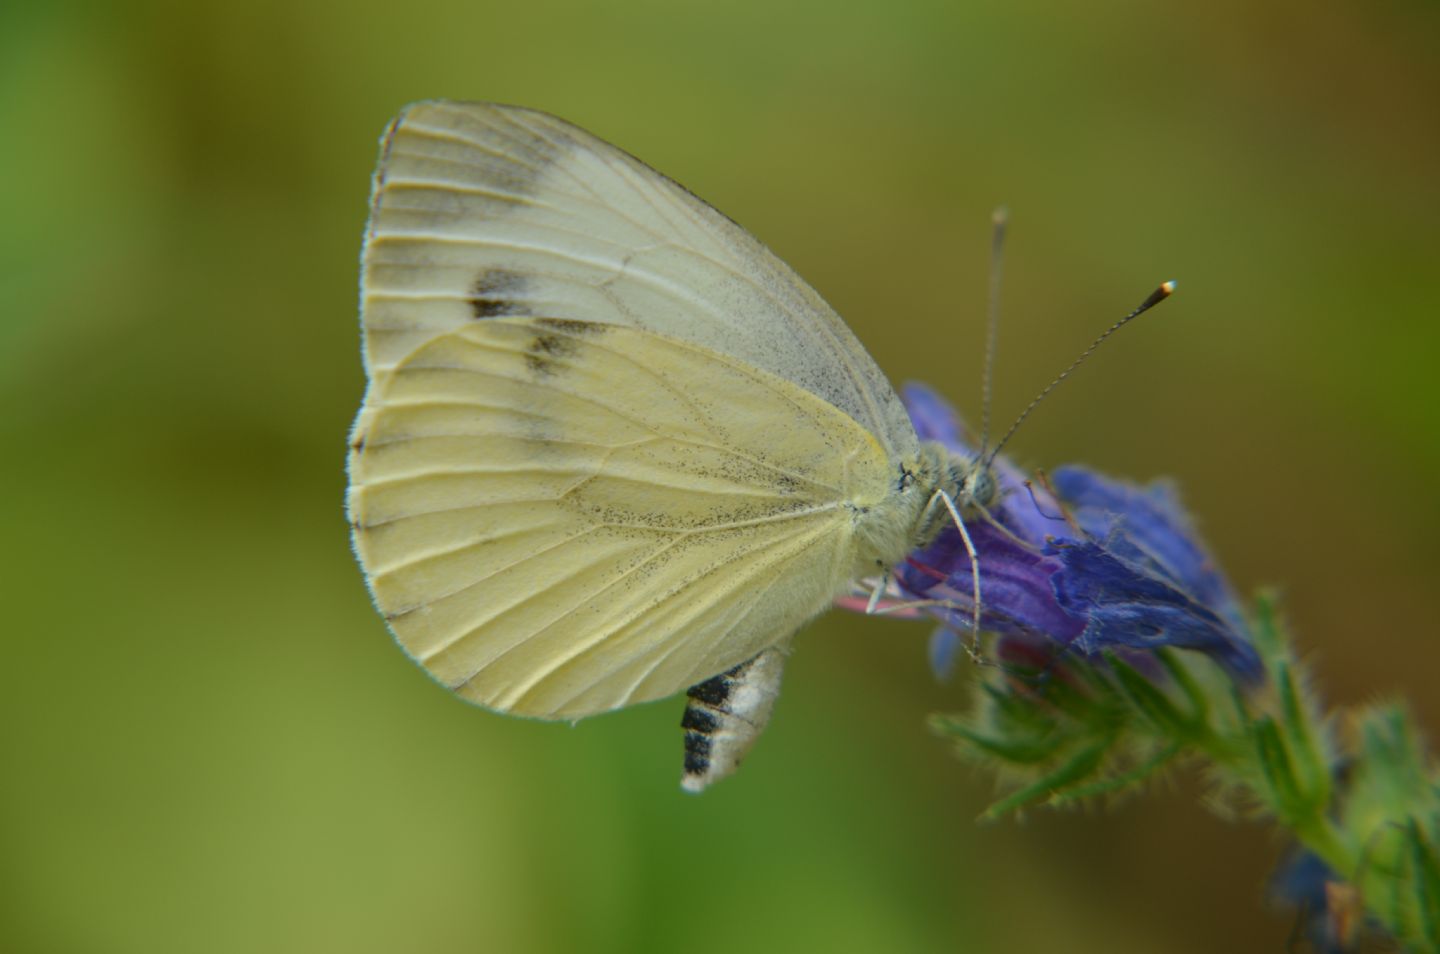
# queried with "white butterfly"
point(612, 447)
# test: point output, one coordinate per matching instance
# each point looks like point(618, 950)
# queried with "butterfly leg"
point(974, 648)
point(881, 585)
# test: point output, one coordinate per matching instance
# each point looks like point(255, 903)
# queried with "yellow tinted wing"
point(482, 211)
point(559, 518)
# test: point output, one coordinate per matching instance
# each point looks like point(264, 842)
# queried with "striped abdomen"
point(726, 714)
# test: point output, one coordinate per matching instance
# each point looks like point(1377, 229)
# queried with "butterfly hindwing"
point(560, 517)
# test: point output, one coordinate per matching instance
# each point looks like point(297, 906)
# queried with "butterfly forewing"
point(483, 211)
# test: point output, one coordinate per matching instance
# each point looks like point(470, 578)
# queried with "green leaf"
point(1393, 757)
point(1194, 694)
point(1078, 767)
point(1150, 701)
point(1122, 780)
point(1286, 797)
point(1269, 639)
point(1427, 883)
point(1020, 750)
point(1312, 766)
point(1060, 696)
point(1016, 708)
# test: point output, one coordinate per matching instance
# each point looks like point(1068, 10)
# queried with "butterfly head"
point(974, 481)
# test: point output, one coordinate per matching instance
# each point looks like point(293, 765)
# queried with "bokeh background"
point(209, 741)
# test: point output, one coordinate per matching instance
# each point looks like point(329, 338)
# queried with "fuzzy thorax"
point(913, 512)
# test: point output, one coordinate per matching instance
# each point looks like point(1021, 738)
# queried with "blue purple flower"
point(1097, 566)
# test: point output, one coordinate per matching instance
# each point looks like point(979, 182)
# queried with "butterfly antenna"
point(1156, 297)
point(999, 219)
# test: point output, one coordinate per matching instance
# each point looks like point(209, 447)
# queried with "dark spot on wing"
point(494, 294)
point(544, 350)
point(571, 326)
point(550, 344)
point(358, 444)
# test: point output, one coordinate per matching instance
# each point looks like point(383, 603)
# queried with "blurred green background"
point(210, 743)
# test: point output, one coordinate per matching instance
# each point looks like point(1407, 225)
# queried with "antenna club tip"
point(1167, 288)
point(1000, 216)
